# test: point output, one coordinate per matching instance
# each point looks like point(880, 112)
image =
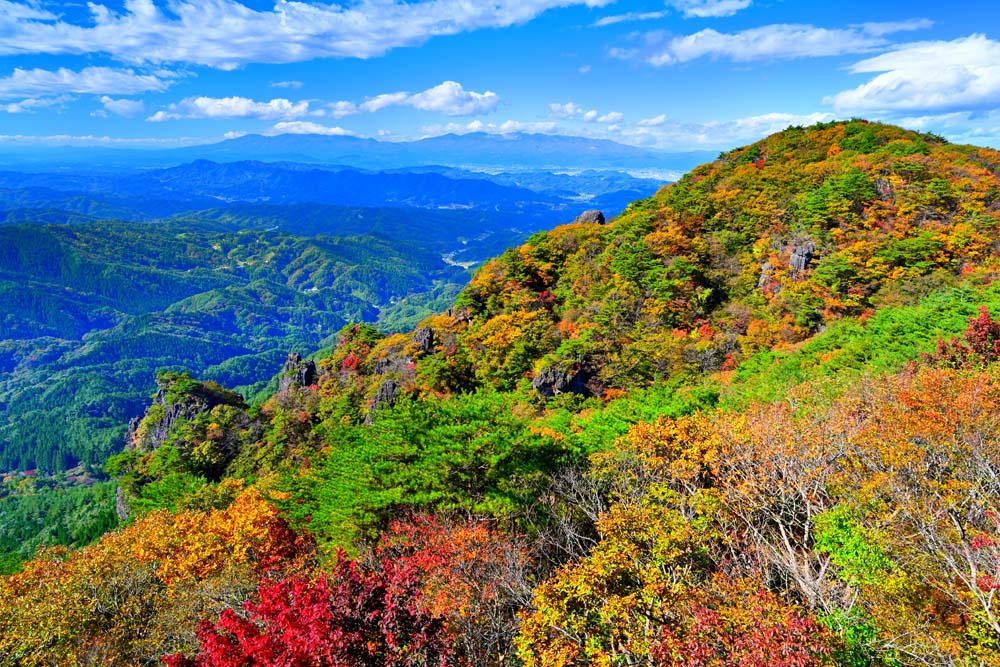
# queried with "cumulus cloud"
point(572, 111)
point(90, 80)
point(448, 98)
point(307, 127)
point(227, 34)
point(341, 109)
point(233, 107)
point(781, 41)
point(122, 107)
point(938, 76)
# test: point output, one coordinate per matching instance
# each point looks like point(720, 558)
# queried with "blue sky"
point(676, 74)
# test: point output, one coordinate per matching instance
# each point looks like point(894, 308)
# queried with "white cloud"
point(384, 100)
point(234, 134)
point(122, 107)
point(939, 76)
point(342, 109)
point(30, 104)
point(967, 127)
point(29, 11)
point(689, 8)
point(227, 34)
point(709, 8)
point(659, 132)
point(627, 17)
point(568, 110)
point(306, 127)
point(233, 107)
point(890, 27)
point(506, 127)
point(572, 111)
point(448, 98)
point(90, 80)
point(771, 42)
point(286, 84)
point(584, 69)
point(451, 99)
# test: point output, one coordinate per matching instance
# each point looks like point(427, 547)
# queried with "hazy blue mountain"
point(507, 151)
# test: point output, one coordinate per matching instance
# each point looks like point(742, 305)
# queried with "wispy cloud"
point(781, 41)
point(227, 34)
point(629, 17)
point(90, 80)
point(940, 76)
point(123, 107)
point(219, 108)
point(709, 8)
point(98, 140)
point(30, 104)
point(25, 11)
point(286, 84)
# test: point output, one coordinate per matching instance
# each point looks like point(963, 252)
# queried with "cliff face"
point(178, 399)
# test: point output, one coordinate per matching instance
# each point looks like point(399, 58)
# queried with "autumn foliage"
point(714, 432)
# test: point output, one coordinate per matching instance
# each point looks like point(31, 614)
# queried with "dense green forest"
point(92, 311)
point(752, 420)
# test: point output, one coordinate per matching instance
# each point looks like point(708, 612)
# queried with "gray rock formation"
point(385, 397)
point(424, 338)
point(591, 217)
point(802, 256)
point(297, 373)
point(553, 380)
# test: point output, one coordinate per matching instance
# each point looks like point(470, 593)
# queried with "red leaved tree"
point(350, 618)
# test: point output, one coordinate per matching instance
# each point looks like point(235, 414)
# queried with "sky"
point(676, 75)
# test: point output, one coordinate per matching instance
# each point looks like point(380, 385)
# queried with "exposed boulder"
point(592, 216)
point(297, 373)
point(553, 380)
point(424, 338)
point(385, 397)
point(802, 256)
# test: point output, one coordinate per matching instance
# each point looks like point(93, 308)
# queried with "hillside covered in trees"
point(752, 420)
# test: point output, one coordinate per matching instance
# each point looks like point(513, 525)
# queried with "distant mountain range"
point(507, 151)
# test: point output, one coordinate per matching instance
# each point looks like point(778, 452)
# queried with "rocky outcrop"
point(553, 380)
point(178, 398)
point(801, 257)
point(591, 217)
point(424, 339)
point(297, 373)
point(385, 397)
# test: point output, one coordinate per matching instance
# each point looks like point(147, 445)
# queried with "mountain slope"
point(716, 429)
